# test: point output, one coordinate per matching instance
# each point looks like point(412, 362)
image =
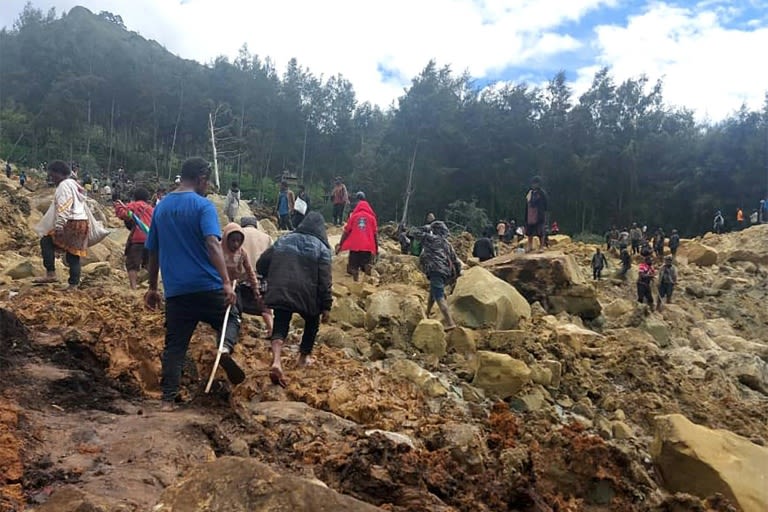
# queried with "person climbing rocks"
point(483, 249)
point(645, 275)
point(65, 226)
point(184, 244)
point(300, 206)
point(232, 202)
point(429, 219)
point(23, 178)
point(598, 263)
point(340, 200)
point(255, 244)
point(739, 219)
point(284, 207)
point(635, 237)
point(136, 256)
point(626, 263)
point(8, 170)
point(298, 272)
point(403, 240)
point(674, 242)
point(667, 281)
point(535, 213)
point(440, 264)
point(719, 223)
point(360, 238)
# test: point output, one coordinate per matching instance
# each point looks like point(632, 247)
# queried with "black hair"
point(194, 168)
point(234, 185)
point(301, 187)
point(59, 167)
point(140, 194)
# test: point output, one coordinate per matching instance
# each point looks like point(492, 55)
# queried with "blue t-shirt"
point(282, 203)
point(180, 224)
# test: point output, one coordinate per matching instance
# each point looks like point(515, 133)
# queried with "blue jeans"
point(182, 314)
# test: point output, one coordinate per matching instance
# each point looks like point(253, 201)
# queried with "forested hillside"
point(82, 86)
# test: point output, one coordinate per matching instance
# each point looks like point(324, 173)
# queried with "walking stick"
point(221, 344)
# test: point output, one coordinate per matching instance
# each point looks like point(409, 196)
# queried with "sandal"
point(277, 378)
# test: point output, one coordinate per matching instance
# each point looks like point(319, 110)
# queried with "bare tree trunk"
point(409, 188)
point(111, 136)
point(304, 149)
point(88, 134)
point(213, 145)
point(175, 130)
point(240, 152)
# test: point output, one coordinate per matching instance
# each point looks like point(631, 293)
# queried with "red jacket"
point(360, 233)
point(140, 209)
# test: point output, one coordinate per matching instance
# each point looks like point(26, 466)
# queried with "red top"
point(361, 229)
point(140, 209)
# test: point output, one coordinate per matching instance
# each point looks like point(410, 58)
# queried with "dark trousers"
point(285, 223)
point(597, 272)
point(338, 214)
point(644, 293)
point(182, 314)
point(282, 324)
point(635, 246)
point(49, 260)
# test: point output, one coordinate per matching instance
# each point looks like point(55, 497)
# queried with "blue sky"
point(708, 52)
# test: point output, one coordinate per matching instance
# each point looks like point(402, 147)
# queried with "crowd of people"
point(210, 274)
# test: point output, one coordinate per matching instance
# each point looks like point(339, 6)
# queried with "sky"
point(708, 52)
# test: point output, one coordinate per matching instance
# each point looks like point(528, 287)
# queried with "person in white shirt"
point(67, 229)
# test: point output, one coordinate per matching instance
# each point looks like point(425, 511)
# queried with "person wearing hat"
point(340, 199)
point(535, 213)
point(667, 281)
point(360, 238)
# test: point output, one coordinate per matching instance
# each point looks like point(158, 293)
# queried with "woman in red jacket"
point(360, 238)
point(135, 255)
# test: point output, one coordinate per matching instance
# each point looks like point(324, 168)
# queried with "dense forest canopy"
point(83, 87)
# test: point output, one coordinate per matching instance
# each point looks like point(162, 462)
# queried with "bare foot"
point(276, 376)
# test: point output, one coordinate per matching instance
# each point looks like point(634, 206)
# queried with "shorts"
point(534, 230)
point(437, 286)
point(136, 257)
point(249, 302)
point(359, 260)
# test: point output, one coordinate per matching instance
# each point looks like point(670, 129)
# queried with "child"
point(240, 267)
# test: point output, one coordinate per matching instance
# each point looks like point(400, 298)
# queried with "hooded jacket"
point(140, 209)
point(437, 253)
point(256, 240)
point(361, 232)
point(298, 269)
point(238, 263)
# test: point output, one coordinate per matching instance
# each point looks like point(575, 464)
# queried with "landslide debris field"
point(577, 402)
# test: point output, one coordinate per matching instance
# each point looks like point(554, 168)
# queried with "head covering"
point(360, 195)
point(228, 230)
point(249, 221)
point(439, 228)
point(314, 225)
point(668, 258)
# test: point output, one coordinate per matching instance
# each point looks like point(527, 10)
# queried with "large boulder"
point(500, 374)
point(427, 382)
point(345, 310)
point(239, 484)
point(699, 461)
point(21, 270)
point(395, 314)
point(748, 369)
point(576, 337)
point(429, 337)
point(697, 253)
point(749, 245)
point(551, 278)
point(482, 300)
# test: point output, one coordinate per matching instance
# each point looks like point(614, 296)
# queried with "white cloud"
point(705, 65)
point(352, 37)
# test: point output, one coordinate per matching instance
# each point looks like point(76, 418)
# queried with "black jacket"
point(483, 249)
point(298, 269)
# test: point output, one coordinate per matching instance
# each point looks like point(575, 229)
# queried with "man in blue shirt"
point(183, 244)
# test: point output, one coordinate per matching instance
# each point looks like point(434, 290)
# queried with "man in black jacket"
point(298, 273)
point(483, 249)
